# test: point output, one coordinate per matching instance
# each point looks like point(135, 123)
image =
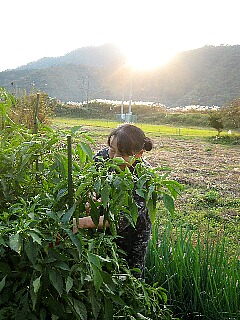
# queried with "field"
point(192, 263)
point(192, 158)
point(209, 171)
point(208, 210)
point(193, 256)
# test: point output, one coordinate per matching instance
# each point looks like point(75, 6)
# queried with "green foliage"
point(23, 111)
point(145, 114)
point(231, 113)
point(230, 139)
point(21, 107)
point(216, 121)
point(47, 271)
point(6, 102)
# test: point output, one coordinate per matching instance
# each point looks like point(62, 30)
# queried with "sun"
point(147, 57)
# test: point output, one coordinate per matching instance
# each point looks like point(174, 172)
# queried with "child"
point(128, 142)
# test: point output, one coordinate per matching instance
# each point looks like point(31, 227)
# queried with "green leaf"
point(97, 184)
point(116, 298)
point(95, 212)
point(75, 240)
point(69, 284)
point(141, 192)
point(61, 193)
point(168, 202)
point(75, 129)
point(86, 148)
point(80, 309)
point(81, 154)
point(56, 280)
point(92, 258)
point(152, 210)
point(15, 242)
point(5, 268)
point(105, 195)
point(2, 242)
point(61, 265)
point(108, 309)
point(36, 284)
point(2, 283)
point(67, 216)
point(31, 250)
point(26, 160)
point(62, 164)
point(96, 303)
point(81, 189)
point(174, 187)
point(97, 278)
point(108, 280)
point(141, 181)
point(35, 237)
point(118, 161)
point(133, 209)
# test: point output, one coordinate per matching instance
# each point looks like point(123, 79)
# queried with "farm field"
point(192, 159)
point(207, 211)
point(210, 172)
point(192, 263)
point(105, 125)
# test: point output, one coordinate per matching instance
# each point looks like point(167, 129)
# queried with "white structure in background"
point(131, 103)
point(126, 117)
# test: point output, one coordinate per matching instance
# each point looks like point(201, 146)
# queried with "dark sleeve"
point(101, 155)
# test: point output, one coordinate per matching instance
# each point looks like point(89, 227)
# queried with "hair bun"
point(148, 145)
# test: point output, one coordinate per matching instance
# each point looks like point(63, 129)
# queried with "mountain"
point(206, 76)
point(107, 54)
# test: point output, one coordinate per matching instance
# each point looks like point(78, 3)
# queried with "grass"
point(201, 281)
point(147, 128)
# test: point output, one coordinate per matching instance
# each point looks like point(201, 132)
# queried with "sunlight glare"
point(147, 58)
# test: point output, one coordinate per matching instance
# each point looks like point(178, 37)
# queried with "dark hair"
point(130, 139)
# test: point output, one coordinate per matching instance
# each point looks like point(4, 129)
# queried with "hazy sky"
point(151, 30)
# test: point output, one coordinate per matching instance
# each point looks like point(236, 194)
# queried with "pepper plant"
point(47, 271)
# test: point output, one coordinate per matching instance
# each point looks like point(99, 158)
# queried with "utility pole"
point(83, 88)
point(130, 94)
point(86, 92)
point(87, 89)
point(123, 83)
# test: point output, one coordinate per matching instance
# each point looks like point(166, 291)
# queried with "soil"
point(195, 162)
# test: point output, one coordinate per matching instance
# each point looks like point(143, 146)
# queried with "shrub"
point(47, 271)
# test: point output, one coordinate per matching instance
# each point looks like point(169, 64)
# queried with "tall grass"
point(201, 280)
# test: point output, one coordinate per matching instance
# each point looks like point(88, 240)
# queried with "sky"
point(149, 32)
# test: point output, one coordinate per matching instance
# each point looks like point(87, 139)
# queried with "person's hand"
point(82, 223)
point(75, 229)
point(88, 205)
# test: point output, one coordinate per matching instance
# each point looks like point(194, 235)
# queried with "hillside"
point(206, 76)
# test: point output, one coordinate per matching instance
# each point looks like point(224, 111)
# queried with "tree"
point(231, 114)
point(215, 121)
